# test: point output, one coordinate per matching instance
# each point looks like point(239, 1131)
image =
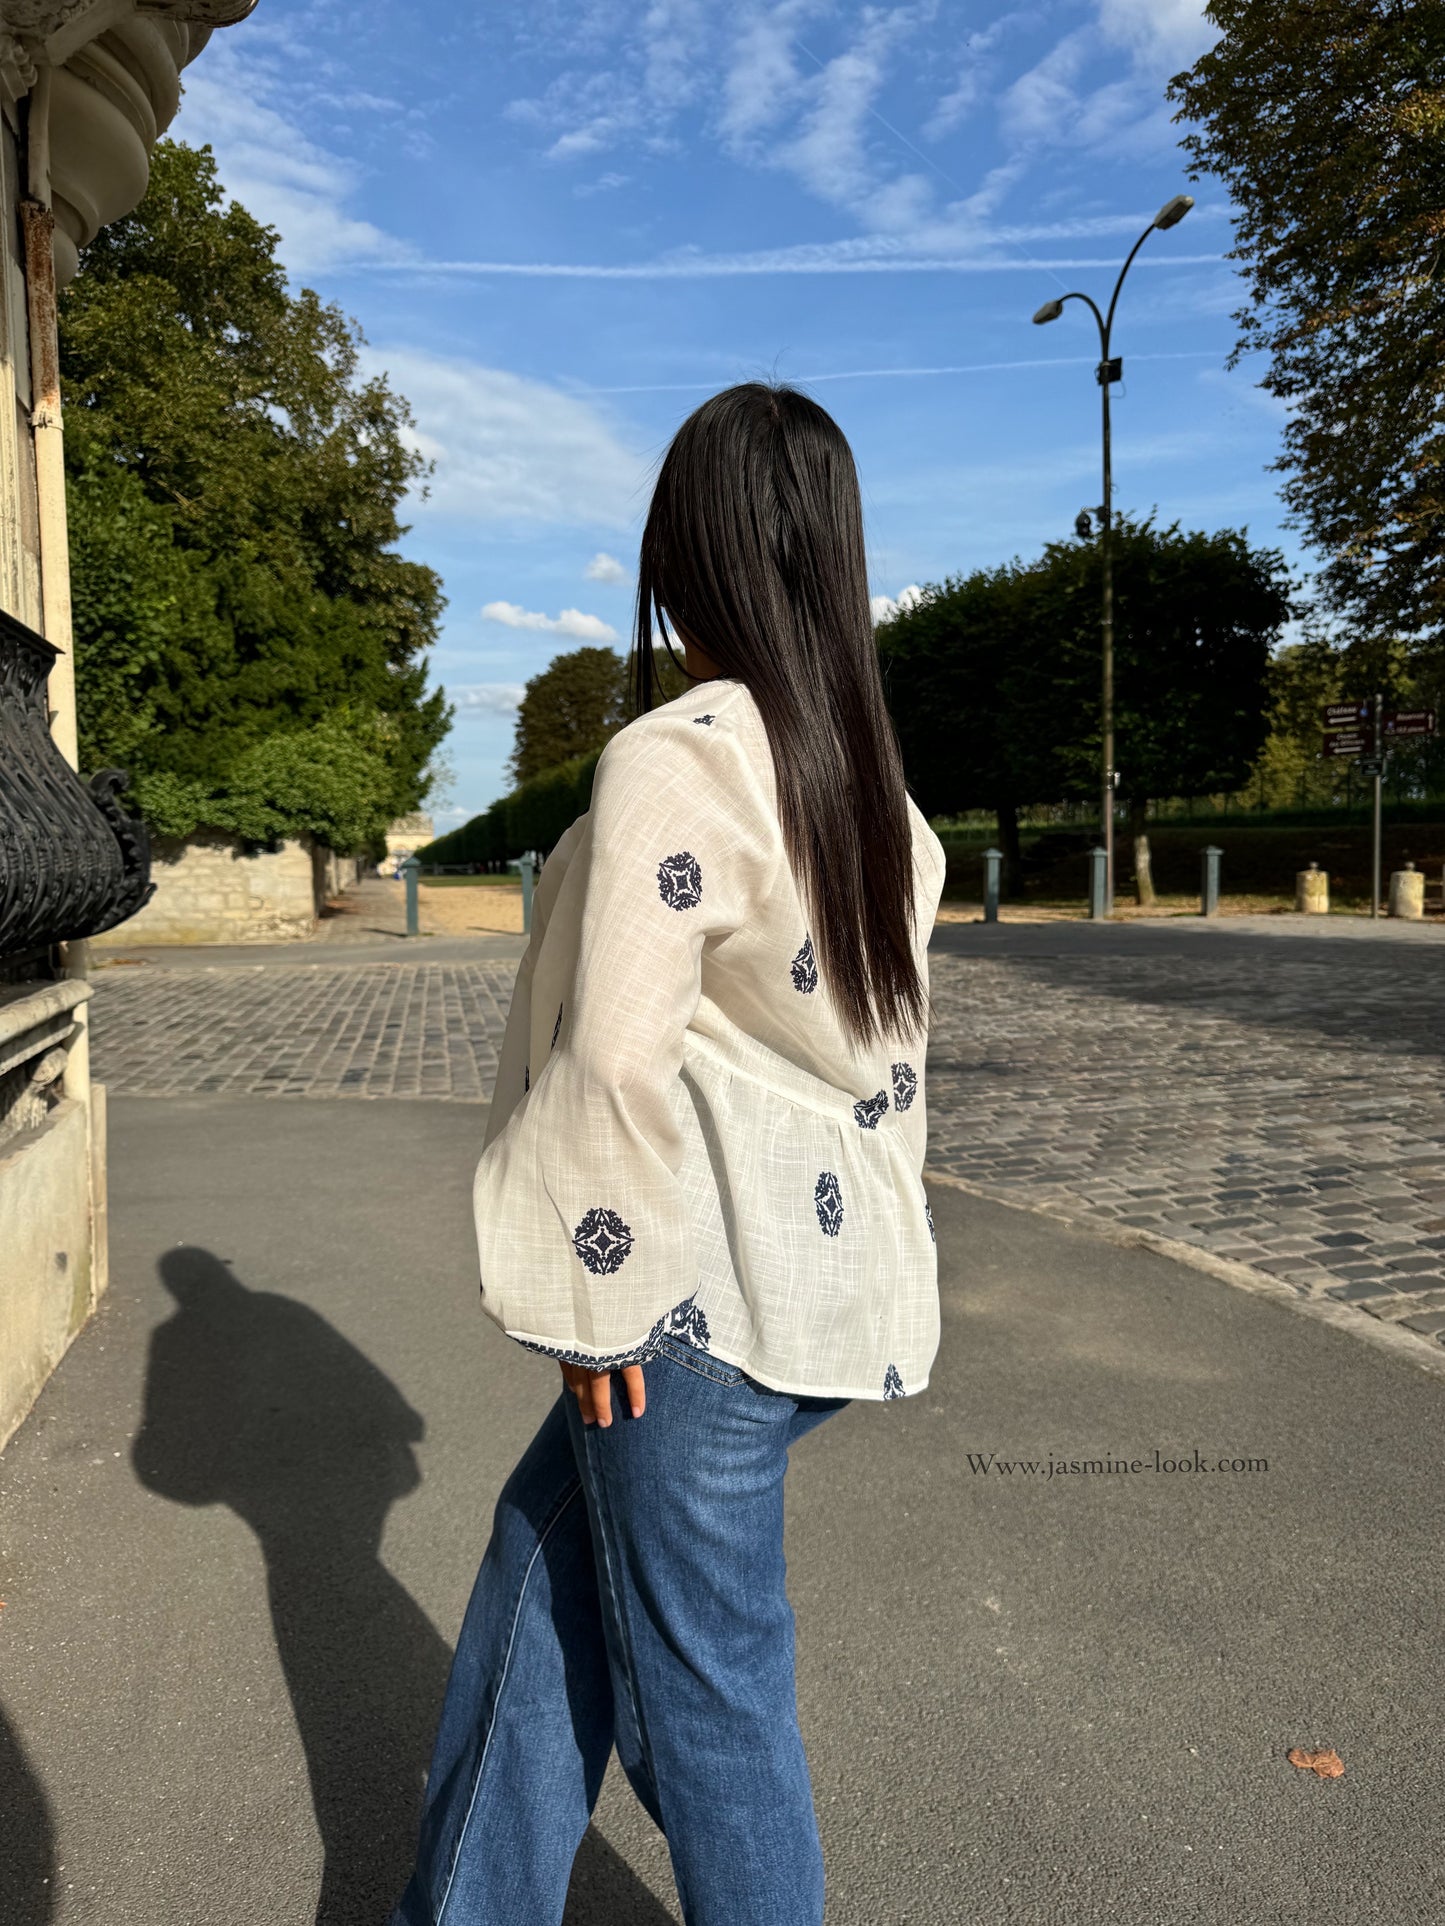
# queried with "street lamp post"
point(1108, 371)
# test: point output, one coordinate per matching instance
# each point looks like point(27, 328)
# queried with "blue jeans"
point(632, 1595)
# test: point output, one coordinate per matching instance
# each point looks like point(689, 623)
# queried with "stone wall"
point(52, 1190)
point(209, 891)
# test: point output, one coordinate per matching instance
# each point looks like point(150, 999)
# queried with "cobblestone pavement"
point(1277, 1104)
point(359, 1030)
point(1280, 1105)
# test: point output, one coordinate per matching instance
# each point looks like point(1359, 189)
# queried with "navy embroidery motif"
point(828, 1201)
point(892, 1383)
point(868, 1110)
point(805, 969)
point(688, 1322)
point(557, 1027)
point(709, 720)
point(610, 1361)
point(602, 1241)
point(679, 881)
point(905, 1085)
point(928, 1213)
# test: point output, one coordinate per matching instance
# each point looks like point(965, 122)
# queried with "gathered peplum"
point(682, 1138)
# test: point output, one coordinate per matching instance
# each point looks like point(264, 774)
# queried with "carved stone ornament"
point(71, 862)
point(40, 19)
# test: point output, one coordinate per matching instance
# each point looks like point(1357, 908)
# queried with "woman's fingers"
point(632, 1384)
point(593, 1391)
point(601, 1397)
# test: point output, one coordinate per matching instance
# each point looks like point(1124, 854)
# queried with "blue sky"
point(562, 225)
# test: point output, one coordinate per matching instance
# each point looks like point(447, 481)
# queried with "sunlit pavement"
point(1265, 1091)
point(1027, 1697)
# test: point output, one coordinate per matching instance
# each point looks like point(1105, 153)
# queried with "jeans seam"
point(697, 1368)
point(548, 1528)
point(624, 1633)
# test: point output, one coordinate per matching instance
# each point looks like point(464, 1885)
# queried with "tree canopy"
point(993, 677)
point(250, 643)
point(573, 705)
point(569, 709)
point(1325, 119)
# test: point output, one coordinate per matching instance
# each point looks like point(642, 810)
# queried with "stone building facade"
point(86, 88)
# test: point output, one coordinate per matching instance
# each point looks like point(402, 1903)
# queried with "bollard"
point(410, 870)
point(992, 862)
point(1098, 885)
point(1407, 893)
point(1209, 881)
point(526, 867)
point(1312, 891)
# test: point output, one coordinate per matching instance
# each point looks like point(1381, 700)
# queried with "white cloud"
point(271, 168)
point(762, 80)
point(486, 698)
point(1161, 33)
point(510, 449)
point(587, 628)
point(867, 254)
point(605, 568)
point(1049, 105)
point(833, 146)
point(886, 606)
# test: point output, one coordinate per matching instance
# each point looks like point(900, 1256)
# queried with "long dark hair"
point(753, 549)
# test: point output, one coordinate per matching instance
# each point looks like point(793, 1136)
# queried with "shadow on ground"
point(27, 1838)
point(255, 1401)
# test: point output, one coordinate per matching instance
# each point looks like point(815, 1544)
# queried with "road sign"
point(1371, 765)
point(1409, 722)
point(1346, 715)
point(1346, 742)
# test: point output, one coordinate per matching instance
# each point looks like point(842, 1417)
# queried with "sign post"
point(1363, 730)
point(1378, 772)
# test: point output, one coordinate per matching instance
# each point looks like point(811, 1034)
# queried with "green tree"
point(973, 699)
point(569, 709)
point(575, 703)
point(1303, 678)
point(993, 678)
point(1325, 119)
point(234, 480)
point(1197, 618)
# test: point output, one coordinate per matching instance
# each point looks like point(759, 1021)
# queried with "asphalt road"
point(1027, 1698)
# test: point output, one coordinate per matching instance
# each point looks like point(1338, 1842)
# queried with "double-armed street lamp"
point(1110, 370)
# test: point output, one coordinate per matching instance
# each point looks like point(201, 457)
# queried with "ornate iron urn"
point(71, 862)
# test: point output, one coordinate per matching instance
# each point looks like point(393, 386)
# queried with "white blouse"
point(682, 1138)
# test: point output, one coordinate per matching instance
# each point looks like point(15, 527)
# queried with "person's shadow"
point(27, 1838)
point(253, 1400)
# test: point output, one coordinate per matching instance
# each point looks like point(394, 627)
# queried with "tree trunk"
point(1143, 870)
point(1008, 842)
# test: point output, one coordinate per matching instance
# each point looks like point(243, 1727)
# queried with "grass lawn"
point(470, 882)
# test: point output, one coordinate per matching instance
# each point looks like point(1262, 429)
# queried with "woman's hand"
point(593, 1391)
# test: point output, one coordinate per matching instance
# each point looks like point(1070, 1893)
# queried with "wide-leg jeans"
point(632, 1594)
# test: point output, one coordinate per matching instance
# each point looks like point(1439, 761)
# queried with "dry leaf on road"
point(1326, 1765)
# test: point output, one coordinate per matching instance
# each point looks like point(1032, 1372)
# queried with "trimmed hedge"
point(533, 816)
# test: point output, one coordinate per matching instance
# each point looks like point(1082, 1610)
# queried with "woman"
point(701, 1194)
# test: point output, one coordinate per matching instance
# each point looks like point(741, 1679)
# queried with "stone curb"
point(1407, 1346)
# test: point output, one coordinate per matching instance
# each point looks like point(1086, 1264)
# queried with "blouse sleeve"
point(513, 1065)
point(582, 1229)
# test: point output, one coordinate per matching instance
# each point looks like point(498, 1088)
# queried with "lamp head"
point(1050, 311)
point(1173, 212)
